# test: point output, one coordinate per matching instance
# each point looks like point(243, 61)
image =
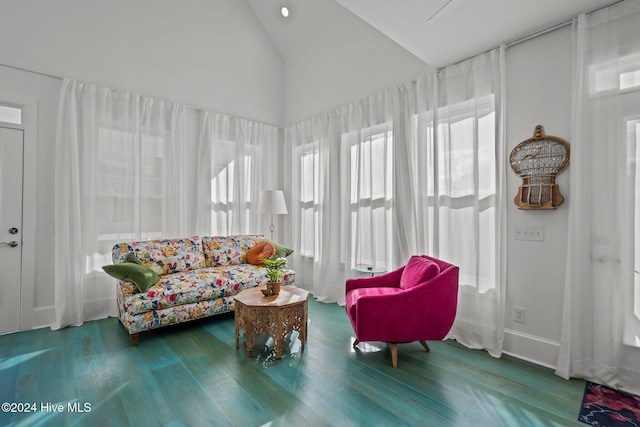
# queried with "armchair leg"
point(356, 342)
point(394, 354)
point(424, 344)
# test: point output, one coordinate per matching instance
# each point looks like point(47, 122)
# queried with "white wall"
point(349, 62)
point(212, 54)
point(538, 92)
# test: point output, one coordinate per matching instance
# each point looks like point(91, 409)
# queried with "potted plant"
point(275, 270)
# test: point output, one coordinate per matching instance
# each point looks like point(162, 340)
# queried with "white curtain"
point(462, 204)
point(130, 168)
point(600, 336)
point(119, 175)
point(416, 169)
point(238, 159)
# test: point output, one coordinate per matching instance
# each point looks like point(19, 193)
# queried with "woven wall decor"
point(537, 161)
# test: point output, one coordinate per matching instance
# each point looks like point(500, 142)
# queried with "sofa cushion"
point(282, 251)
point(140, 275)
point(166, 256)
point(418, 270)
point(227, 250)
point(261, 250)
point(195, 285)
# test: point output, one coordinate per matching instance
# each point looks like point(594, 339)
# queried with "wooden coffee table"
point(275, 316)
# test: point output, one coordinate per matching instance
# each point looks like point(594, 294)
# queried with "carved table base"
point(275, 316)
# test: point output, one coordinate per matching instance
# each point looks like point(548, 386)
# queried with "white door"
point(11, 145)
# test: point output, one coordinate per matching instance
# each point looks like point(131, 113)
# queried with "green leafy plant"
point(275, 268)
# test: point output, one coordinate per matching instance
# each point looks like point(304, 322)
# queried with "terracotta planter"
point(274, 287)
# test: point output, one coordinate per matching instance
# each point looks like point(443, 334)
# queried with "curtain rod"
point(199, 109)
point(560, 25)
point(32, 71)
point(534, 34)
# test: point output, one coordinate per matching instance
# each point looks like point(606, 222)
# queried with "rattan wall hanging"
point(537, 161)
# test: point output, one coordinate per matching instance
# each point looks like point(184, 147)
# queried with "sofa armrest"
point(387, 280)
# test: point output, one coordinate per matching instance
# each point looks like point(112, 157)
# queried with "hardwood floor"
point(193, 375)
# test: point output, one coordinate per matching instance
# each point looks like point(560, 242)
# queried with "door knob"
point(12, 243)
point(13, 230)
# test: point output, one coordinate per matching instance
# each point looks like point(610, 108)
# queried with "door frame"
point(29, 127)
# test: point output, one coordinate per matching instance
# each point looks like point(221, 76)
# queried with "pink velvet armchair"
point(416, 302)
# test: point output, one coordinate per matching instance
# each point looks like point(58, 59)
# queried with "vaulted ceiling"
point(439, 32)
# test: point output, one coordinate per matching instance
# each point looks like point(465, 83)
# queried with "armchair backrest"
point(418, 270)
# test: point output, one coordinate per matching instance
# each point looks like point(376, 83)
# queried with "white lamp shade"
point(272, 202)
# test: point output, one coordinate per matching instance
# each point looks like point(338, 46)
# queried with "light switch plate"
point(530, 232)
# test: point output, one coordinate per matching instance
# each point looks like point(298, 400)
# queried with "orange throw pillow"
point(261, 250)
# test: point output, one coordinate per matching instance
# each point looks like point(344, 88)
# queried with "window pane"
point(630, 79)
point(486, 156)
point(461, 158)
point(458, 242)
point(221, 185)
point(307, 232)
point(308, 178)
point(10, 115)
point(486, 256)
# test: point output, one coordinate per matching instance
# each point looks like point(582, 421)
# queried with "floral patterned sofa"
point(198, 278)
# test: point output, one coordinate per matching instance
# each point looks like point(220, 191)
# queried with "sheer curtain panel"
point(600, 336)
point(120, 175)
point(462, 204)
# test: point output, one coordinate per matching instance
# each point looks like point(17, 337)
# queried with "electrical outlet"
point(518, 314)
point(531, 232)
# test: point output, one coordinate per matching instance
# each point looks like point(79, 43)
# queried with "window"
point(11, 115)
point(228, 200)
point(616, 76)
point(459, 191)
point(308, 164)
point(369, 157)
point(128, 190)
point(366, 179)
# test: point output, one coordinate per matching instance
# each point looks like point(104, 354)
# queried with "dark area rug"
point(605, 407)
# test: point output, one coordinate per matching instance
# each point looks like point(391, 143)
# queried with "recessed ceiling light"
point(285, 11)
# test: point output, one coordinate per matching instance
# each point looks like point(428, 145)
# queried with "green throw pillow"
point(282, 251)
point(140, 275)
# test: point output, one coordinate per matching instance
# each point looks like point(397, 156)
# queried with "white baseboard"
point(531, 348)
